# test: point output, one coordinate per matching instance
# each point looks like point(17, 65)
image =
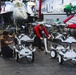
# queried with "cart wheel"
point(17, 57)
point(60, 59)
point(53, 53)
point(32, 58)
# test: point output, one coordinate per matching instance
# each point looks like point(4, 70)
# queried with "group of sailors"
point(6, 51)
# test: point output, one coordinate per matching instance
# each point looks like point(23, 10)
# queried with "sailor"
point(74, 8)
point(5, 49)
point(39, 36)
point(68, 9)
point(57, 21)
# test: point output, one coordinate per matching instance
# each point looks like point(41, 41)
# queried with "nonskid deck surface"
point(43, 65)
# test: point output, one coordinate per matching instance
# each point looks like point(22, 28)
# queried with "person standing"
point(39, 36)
